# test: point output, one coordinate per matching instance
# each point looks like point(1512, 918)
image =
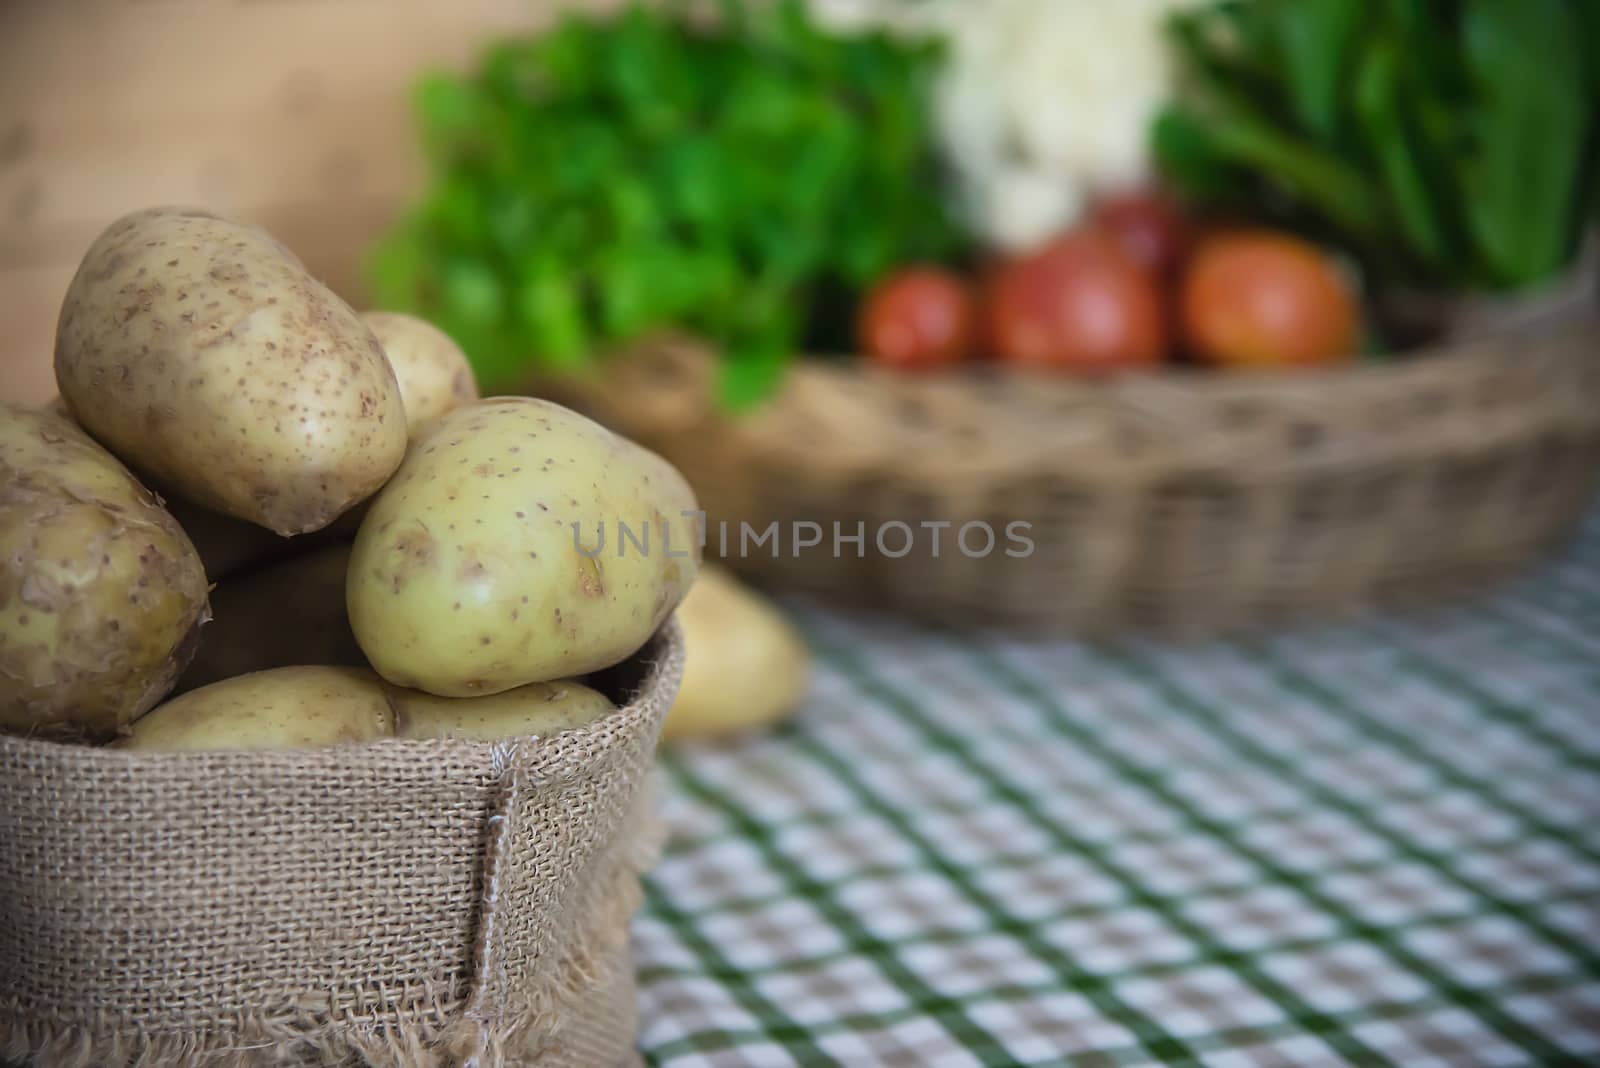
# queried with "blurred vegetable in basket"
point(1047, 103)
point(1078, 304)
point(1148, 227)
point(1450, 144)
point(918, 317)
point(1266, 299)
point(739, 179)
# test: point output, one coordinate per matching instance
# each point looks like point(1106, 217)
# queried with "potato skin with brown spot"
point(432, 370)
point(101, 592)
point(539, 708)
point(467, 577)
point(201, 352)
point(285, 614)
point(286, 708)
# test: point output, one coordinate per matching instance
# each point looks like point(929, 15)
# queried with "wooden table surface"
point(290, 113)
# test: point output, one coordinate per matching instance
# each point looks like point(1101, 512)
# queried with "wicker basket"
point(1190, 502)
point(407, 904)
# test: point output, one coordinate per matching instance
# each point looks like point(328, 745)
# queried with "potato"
point(538, 708)
point(468, 577)
point(287, 613)
point(432, 370)
point(101, 594)
point(201, 352)
point(745, 666)
point(226, 545)
point(286, 708)
point(229, 547)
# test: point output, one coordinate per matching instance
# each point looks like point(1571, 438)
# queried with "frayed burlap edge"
point(442, 1036)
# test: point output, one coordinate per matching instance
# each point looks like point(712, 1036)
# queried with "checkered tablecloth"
point(1369, 845)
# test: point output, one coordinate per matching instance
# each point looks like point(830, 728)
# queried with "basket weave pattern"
point(404, 903)
point(1186, 502)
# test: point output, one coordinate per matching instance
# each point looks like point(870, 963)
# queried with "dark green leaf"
point(1587, 13)
point(1317, 39)
point(1187, 157)
point(1381, 112)
point(1322, 178)
point(1532, 123)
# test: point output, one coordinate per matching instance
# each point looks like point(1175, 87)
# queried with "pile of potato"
point(393, 557)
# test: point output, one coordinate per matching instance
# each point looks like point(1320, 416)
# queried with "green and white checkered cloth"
point(1369, 845)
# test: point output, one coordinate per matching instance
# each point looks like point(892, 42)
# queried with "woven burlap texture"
point(415, 904)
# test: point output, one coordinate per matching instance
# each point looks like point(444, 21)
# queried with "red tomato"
point(1077, 304)
point(1149, 229)
point(918, 317)
point(1259, 298)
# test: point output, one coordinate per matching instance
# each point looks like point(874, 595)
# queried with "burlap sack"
point(416, 904)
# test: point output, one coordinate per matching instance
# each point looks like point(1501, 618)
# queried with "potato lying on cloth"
point(538, 708)
point(287, 613)
point(101, 593)
point(432, 370)
point(201, 352)
point(286, 708)
point(746, 666)
point(519, 542)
